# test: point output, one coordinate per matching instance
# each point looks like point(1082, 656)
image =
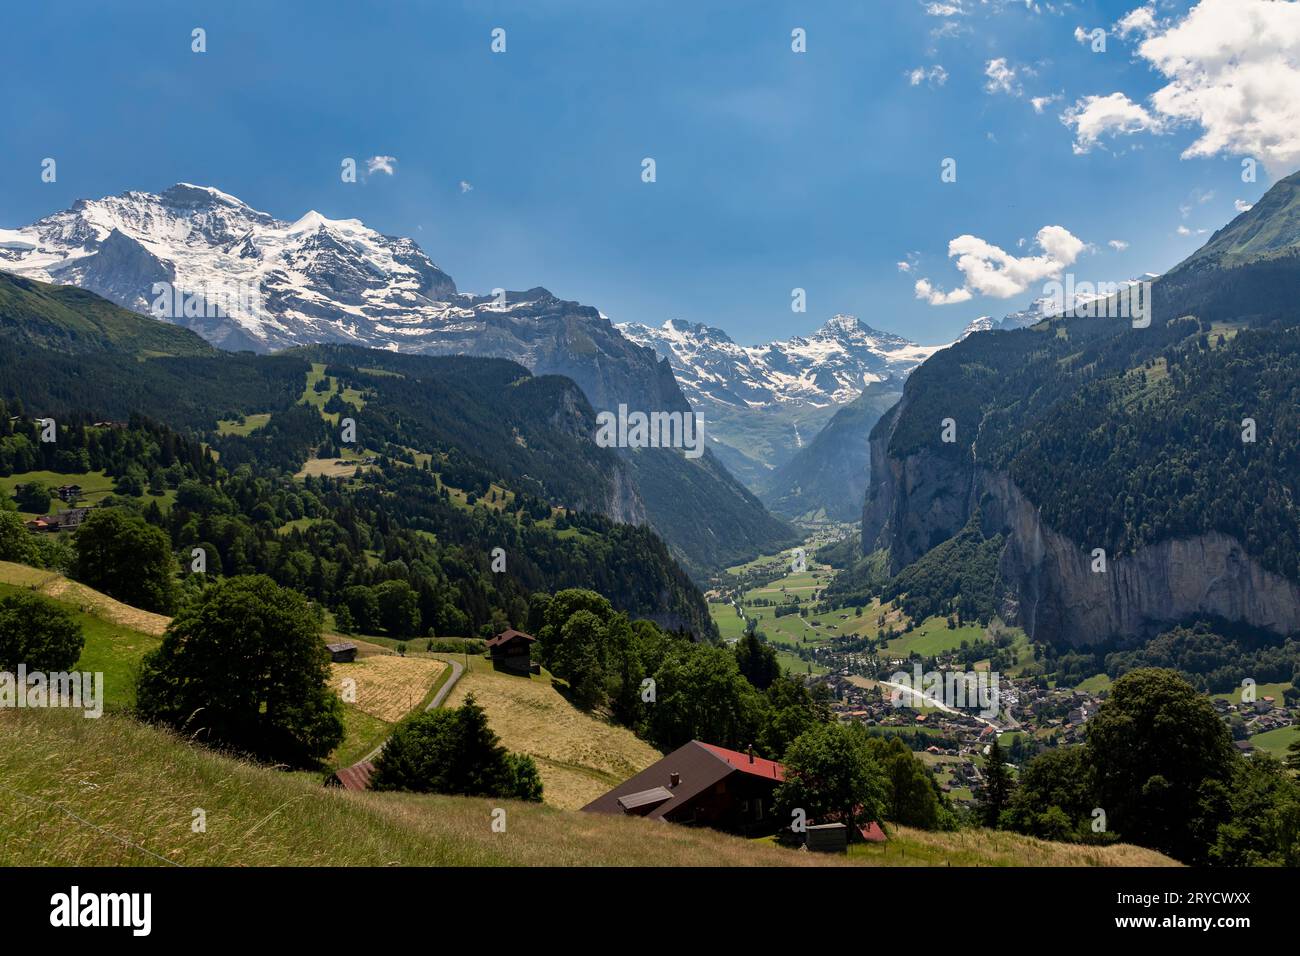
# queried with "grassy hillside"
point(578, 755)
point(117, 636)
point(112, 792)
point(68, 319)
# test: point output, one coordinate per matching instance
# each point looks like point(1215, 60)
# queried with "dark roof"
point(509, 634)
point(356, 777)
point(345, 646)
point(699, 766)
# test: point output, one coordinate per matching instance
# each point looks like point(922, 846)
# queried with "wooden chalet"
point(701, 784)
point(512, 650)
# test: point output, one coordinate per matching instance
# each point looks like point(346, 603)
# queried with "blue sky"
point(775, 169)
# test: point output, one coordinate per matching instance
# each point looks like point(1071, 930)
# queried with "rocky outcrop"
point(1048, 583)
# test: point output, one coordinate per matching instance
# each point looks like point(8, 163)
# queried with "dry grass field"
point(578, 755)
point(331, 467)
point(55, 586)
point(387, 686)
point(113, 792)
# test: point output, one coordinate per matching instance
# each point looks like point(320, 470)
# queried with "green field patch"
point(95, 486)
point(1276, 741)
point(250, 424)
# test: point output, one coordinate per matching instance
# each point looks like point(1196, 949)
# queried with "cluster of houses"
point(67, 520)
point(1251, 717)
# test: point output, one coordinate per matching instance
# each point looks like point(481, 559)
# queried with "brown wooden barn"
point(511, 650)
point(701, 784)
point(343, 653)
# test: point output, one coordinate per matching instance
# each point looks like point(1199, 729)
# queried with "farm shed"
point(343, 653)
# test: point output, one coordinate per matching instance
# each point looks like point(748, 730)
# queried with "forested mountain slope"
point(1079, 434)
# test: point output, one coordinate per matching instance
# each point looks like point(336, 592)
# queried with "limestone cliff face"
point(1052, 591)
point(1048, 585)
point(913, 503)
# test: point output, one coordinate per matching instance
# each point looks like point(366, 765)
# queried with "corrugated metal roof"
point(356, 777)
point(644, 798)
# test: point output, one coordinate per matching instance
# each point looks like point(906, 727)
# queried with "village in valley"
point(856, 652)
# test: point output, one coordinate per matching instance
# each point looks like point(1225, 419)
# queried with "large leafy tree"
point(830, 774)
point(910, 796)
point(454, 751)
point(127, 558)
point(244, 667)
point(700, 694)
point(1053, 797)
point(1160, 754)
point(16, 542)
point(38, 633)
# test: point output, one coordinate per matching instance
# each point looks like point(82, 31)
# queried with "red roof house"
point(701, 784)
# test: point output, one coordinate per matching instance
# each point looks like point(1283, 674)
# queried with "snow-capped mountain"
point(241, 278)
point(764, 403)
point(245, 280)
point(829, 367)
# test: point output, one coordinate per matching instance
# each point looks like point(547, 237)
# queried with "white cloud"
point(1119, 245)
point(1040, 103)
point(935, 75)
point(1093, 117)
point(928, 293)
point(904, 266)
point(945, 8)
point(1142, 20)
point(1242, 206)
point(466, 185)
point(382, 164)
point(1234, 69)
point(1001, 78)
point(1081, 35)
point(1231, 67)
point(990, 270)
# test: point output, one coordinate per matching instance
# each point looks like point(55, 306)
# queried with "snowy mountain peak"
point(270, 283)
point(829, 367)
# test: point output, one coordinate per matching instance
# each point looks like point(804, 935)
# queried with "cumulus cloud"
point(382, 164)
point(928, 293)
point(1119, 245)
point(1093, 117)
point(1040, 103)
point(1142, 20)
point(990, 270)
point(935, 75)
point(1242, 206)
point(1000, 78)
point(1231, 68)
point(904, 266)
